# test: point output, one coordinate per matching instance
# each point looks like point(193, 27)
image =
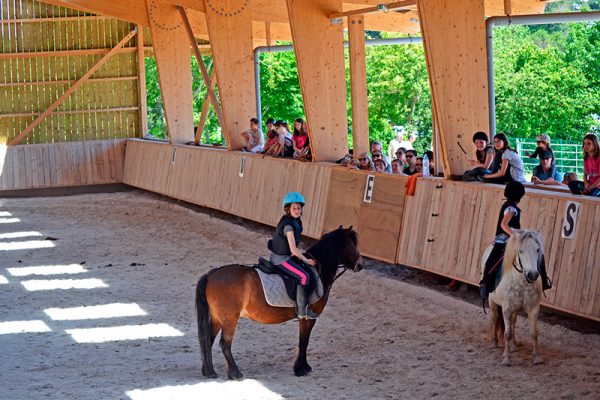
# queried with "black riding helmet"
point(514, 191)
point(480, 136)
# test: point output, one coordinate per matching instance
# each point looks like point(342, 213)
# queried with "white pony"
point(519, 289)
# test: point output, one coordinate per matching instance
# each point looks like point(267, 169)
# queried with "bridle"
point(521, 270)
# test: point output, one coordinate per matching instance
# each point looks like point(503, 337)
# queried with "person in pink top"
point(301, 141)
point(591, 168)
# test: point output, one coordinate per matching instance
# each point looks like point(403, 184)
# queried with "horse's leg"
point(532, 315)
point(513, 342)
point(301, 366)
point(207, 365)
point(227, 332)
point(493, 328)
point(507, 313)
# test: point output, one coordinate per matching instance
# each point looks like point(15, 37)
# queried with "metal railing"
point(568, 155)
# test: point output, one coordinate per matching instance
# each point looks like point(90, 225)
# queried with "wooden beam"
point(142, 82)
point(65, 81)
point(127, 10)
point(71, 89)
point(319, 49)
point(230, 33)
point(205, 109)
point(358, 84)
point(207, 80)
point(63, 53)
point(454, 38)
point(172, 53)
point(384, 7)
point(507, 7)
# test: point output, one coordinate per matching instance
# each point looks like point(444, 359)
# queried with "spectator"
point(419, 166)
point(376, 147)
point(429, 155)
point(365, 163)
point(353, 164)
point(484, 158)
point(401, 156)
point(408, 144)
point(591, 168)
point(545, 172)
point(255, 141)
point(270, 124)
point(380, 165)
point(511, 168)
point(395, 143)
point(273, 147)
point(397, 167)
point(543, 143)
point(285, 138)
point(411, 158)
point(569, 176)
point(301, 142)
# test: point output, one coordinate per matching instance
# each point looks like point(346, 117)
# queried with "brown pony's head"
point(351, 257)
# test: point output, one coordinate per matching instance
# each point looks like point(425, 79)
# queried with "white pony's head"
point(524, 252)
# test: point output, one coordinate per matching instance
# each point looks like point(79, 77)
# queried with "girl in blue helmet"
point(509, 218)
point(286, 255)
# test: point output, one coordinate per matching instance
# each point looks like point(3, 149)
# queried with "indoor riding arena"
point(105, 232)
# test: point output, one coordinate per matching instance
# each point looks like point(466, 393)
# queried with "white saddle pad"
point(276, 295)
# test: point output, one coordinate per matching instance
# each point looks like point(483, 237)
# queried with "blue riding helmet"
point(293, 197)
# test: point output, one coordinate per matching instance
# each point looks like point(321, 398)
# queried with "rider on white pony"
point(509, 218)
point(286, 255)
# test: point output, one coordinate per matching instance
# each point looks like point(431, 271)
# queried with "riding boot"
point(546, 282)
point(302, 306)
point(488, 279)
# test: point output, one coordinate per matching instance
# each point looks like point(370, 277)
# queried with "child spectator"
point(285, 138)
point(380, 165)
point(301, 142)
point(543, 143)
point(568, 177)
point(419, 166)
point(591, 168)
point(545, 173)
point(511, 168)
point(484, 158)
point(270, 124)
point(411, 158)
point(255, 140)
point(397, 167)
point(273, 146)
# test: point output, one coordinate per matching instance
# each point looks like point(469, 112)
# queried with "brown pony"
point(225, 294)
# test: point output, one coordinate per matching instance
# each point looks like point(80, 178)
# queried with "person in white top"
point(255, 140)
point(408, 144)
point(396, 142)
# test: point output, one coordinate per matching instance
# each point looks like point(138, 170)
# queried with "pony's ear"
point(350, 227)
point(341, 227)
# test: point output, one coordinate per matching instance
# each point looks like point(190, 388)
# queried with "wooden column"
point(454, 40)
point(230, 31)
point(142, 82)
point(319, 49)
point(358, 84)
point(172, 52)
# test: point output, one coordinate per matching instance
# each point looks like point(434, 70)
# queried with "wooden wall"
point(61, 164)
point(44, 49)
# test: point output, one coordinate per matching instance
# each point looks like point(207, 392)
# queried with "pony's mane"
point(327, 249)
point(514, 244)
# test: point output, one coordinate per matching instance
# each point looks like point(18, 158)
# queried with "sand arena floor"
point(388, 332)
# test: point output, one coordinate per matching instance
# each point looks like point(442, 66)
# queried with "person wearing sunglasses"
point(546, 172)
point(543, 144)
point(411, 158)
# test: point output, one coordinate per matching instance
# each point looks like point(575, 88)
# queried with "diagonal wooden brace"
point(72, 88)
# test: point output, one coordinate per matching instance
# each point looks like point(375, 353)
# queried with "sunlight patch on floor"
point(23, 327)
point(16, 235)
point(47, 270)
point(9, 220)
point(5, 214)
point(114, 310)
point(3, 280)
point(125, 332)
point(28, 245)
point(51, 284)
point(248, 389)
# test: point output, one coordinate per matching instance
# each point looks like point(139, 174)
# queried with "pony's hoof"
point(209, 373)
point(303, 370)
point(506, 362)
point(538, 360)
point(235, 375)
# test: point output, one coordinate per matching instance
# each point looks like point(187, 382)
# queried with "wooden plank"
point(358, 85)
point(71, 89)
point(141, 67)
point(454, 38)
point(319, 50)
point(231, 41)
point(172, 53)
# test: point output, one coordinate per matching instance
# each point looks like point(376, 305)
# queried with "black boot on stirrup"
point(301, 305)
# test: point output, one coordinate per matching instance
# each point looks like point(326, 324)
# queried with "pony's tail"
point(204, 328)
